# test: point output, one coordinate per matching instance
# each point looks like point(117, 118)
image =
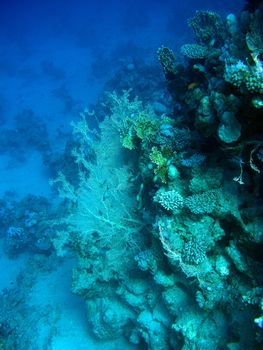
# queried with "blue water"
point(56, 59)
point(57, 56)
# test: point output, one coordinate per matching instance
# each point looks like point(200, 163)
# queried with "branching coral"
point(203, 203)
point(248, 78)
point(194, 51)
point(170, 200)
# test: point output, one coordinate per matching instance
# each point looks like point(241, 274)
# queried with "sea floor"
point(49, 316)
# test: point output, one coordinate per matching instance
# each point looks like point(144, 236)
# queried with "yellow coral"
point(127, 142)
point(160, 161)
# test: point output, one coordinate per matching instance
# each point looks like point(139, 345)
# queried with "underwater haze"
point(131, 160)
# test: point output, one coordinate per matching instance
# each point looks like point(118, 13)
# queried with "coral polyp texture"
point(167, 217)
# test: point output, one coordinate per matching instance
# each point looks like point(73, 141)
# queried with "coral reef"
point(25, 225)
point(166, 216)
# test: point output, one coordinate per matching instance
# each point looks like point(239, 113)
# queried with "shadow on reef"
point(252, 5)
point(166, 214)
